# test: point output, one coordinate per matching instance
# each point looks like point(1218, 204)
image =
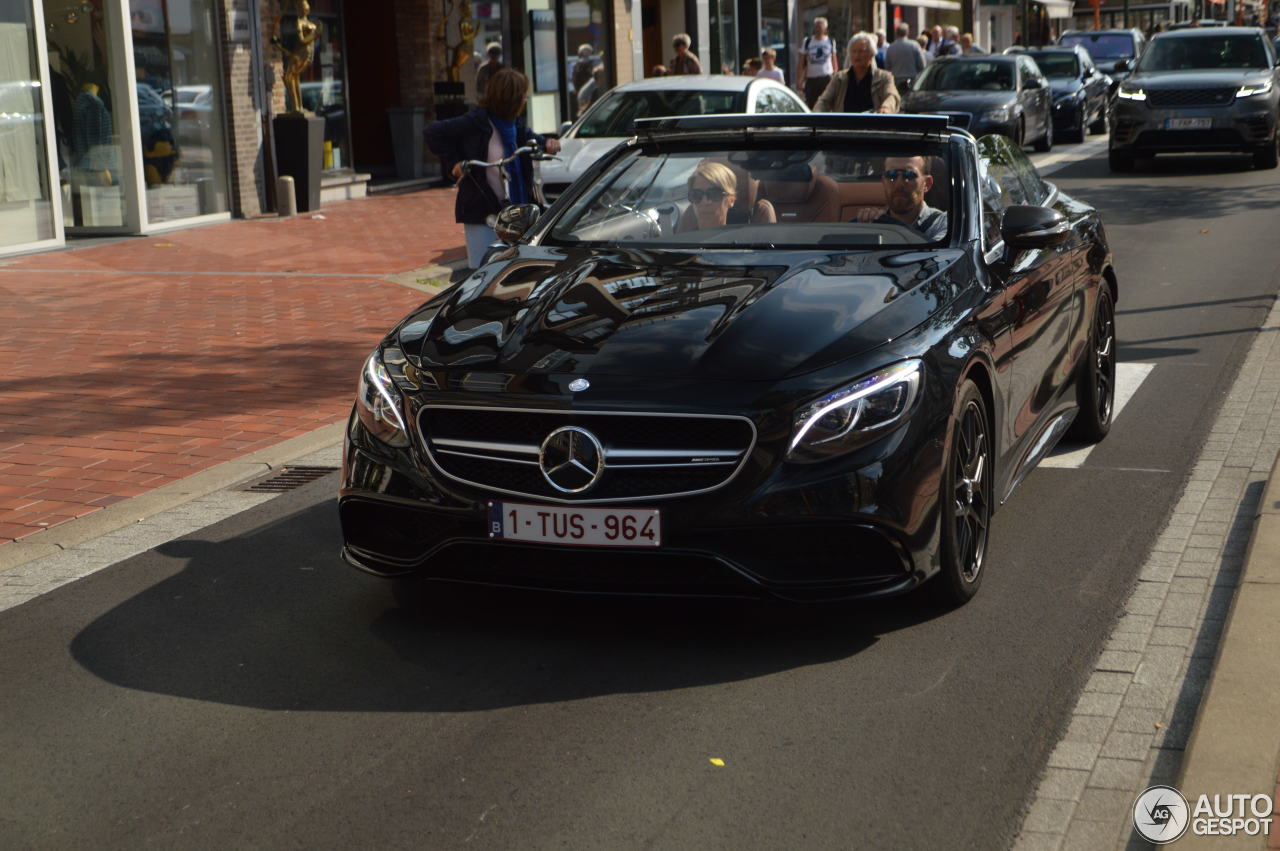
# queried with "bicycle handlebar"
point(527, 149)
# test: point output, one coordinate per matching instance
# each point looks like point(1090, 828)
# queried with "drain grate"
point(288, 478)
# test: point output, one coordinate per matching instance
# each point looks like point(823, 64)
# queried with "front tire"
point(1045, 143)
point(1100, 125)
point(1120, 162)
point(966, 499)
point(1268, 156)
point(1096, 378)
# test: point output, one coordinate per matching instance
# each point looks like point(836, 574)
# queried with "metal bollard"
point(286, 199)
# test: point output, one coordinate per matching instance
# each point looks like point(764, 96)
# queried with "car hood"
point(756, 316)
point(959, 101)
point(1202, 79)
point(576, 156)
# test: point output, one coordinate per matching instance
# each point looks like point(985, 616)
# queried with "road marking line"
point(1129, 377)
point(1056, 162)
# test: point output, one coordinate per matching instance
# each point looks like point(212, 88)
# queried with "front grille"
point(647, 456)
point(1190, 97)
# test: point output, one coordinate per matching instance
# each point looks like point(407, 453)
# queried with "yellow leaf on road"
point(715, 760)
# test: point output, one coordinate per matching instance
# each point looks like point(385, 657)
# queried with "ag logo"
point(1160, 814)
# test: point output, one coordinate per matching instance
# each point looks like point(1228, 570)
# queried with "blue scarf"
point(507, 133)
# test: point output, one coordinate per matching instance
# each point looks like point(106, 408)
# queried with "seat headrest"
point(794, 186)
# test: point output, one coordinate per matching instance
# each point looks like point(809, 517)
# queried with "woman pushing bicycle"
point(486, 152)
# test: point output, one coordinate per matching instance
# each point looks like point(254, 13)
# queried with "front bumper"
point(793, 532)
point(1243, 126)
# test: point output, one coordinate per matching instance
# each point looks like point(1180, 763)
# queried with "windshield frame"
point(602, 174)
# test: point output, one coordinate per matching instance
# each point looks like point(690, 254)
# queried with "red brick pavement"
point(132, 365)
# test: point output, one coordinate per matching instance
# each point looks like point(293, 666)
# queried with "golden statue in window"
point(295, 37)
point(459, 30)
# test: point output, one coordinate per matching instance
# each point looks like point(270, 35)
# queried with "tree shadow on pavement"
point(271, 619)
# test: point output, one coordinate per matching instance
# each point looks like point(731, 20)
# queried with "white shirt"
point(818, 53)
point(772, 74)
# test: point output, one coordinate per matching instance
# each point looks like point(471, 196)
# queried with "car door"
point(1039, 103)
point(1095, 87)
point(1040, 297)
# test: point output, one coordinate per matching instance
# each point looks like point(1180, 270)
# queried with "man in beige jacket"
point(861, 87)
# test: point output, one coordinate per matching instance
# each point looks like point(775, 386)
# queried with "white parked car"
point(612, 118)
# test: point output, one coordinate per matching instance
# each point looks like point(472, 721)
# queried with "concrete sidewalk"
point(134, 365)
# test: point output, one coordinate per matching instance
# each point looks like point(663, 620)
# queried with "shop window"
point(26, 215)
point(324, 84)
point(180, 108)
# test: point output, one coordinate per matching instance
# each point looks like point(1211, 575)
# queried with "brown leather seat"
point(859, 195)
point(939, 195)
point(811, 197)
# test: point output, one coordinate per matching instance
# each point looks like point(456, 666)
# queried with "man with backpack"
point(818, 61)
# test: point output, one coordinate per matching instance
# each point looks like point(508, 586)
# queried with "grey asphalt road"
point(240, 686)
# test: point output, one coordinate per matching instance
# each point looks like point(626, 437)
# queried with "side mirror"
point(514, 222)
point(1031, 83)
point(564, 128)
point(1027, 226)
point(1122, 64)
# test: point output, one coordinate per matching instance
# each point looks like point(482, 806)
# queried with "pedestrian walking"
point(862, 87)
point(904, 58)
point(488, 69)
point(491, 131)
point(817, 63)
point(685, 61)
point(768, 57)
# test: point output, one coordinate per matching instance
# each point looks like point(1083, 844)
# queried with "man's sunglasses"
point(892, 174)
point(715, 193)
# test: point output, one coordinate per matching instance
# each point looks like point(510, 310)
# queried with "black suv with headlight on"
point(717, 366)
point(1199, 89)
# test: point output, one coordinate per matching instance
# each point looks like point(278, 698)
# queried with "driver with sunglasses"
point(905, 181)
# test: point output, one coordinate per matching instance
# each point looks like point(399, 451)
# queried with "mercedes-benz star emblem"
point(571, 459)
point(579, 384)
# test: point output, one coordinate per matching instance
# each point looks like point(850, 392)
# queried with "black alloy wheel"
point(1045, 143)
point(966, 500)
point(1077, 135)
point(1268, 155)
point(1096, 378)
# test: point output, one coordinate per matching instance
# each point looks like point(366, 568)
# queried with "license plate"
point(1188, 123)
point(586, 527)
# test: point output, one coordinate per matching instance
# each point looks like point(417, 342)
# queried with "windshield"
point(1103, 46)
point(971, 76)
point(1057, 64)
point(765, 197)
point(1204, 52)
point(617, 113)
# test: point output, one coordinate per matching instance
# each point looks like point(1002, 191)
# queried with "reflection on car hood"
point(1064, 86)
point(672, 314)
point(1202, 79)
point(576, 156)
point(961, 101)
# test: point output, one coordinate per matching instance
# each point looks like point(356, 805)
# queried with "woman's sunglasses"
point(715, 193)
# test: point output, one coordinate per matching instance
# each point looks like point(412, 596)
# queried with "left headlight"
point(1251, 89)
point(997, 113)
point(378, 402)
point(843, 418)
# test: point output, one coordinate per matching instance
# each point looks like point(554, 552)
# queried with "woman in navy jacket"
point(488, 133)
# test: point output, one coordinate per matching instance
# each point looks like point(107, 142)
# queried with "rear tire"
point(1045, 143)
point(1268, 156)
point(1100, 126)
point(1096, 377)
point(1119, 162)
point(964, 509)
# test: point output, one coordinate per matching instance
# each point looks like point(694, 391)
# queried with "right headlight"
point(378, 401)
point(1251, 89)
point(997, 113)
point(845, 417)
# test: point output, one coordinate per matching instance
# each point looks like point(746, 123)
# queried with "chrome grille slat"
point(647, 455)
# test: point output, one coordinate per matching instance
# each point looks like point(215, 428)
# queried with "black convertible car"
point(789, 356)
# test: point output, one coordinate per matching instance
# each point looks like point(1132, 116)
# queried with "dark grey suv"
point(1199, 90)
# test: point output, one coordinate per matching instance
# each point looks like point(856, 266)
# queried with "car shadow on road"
point(270, 619)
